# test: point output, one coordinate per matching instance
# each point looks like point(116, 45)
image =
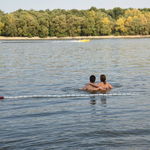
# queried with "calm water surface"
point(47, 67)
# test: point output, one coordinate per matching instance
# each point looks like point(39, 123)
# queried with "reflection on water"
point(62, 67)
point(103, 102)
point(93, 102)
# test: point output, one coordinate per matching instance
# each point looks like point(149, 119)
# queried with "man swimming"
point(90, 87)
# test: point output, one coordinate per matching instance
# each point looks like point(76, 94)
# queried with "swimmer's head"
point(92, 78)
point(103, 78)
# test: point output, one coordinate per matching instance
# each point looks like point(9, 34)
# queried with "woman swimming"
point(103, 84)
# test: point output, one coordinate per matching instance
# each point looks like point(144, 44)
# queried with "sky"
point(8, 6)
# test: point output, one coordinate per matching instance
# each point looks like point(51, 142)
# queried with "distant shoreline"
point(75, 38)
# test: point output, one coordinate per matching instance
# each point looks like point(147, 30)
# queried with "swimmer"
point(89, 87)
point(103, 84)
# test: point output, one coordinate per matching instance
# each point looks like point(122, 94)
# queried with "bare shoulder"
point(99, 84)
point(109, 85)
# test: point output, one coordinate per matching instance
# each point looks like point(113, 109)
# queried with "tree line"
point(62, 23)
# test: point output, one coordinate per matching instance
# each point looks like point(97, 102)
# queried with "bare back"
point(89, 87)
point(105, 86)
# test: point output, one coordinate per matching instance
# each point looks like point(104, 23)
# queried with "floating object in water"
point(84, 40)
point(68, 95)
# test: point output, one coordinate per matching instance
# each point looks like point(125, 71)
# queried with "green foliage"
point(9, 25)
point(117, 11)
point(1, 26)
point(62, 23)
point(1, 14)
point(105, 30)
point(74, 24)
point(58, 25)
point(88, 27)
point(93, 8)
point(117, 33)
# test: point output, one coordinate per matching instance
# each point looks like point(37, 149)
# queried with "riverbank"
point(77, 37)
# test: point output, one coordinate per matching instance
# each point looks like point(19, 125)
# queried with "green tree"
point(137, 27)
point(105, 30)
point(93, 9)
point(147, 29)
point(103, 10)
point(58, 26)
point(74, 12)
point(88, 27)
point(43, 31)
point(44, 24)
point(10, 26)
point(74, 24)
point(110, 13)
point(1, 26)
point(117, 12)
point(27, 25)
point(101, 19)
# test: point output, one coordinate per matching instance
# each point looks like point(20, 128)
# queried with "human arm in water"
point(97, 86)
point(89, 87)
point(94, 85)
point(101, 86)
point(110, 86)
point(83, 89)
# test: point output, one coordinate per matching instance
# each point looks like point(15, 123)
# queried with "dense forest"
point(62, 23)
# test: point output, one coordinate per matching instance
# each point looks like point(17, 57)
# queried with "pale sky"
point(12, 5)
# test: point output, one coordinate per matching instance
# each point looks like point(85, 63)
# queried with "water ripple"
point(62, 67)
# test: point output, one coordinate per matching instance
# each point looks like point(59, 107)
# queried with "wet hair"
point(92, 78)
point(103, 78)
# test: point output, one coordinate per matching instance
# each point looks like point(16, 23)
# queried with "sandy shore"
point(77, 37)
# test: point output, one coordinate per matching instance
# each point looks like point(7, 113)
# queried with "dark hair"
point(92, 78)
point(103, 78)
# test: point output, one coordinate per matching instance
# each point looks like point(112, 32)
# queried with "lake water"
point(58, 67)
